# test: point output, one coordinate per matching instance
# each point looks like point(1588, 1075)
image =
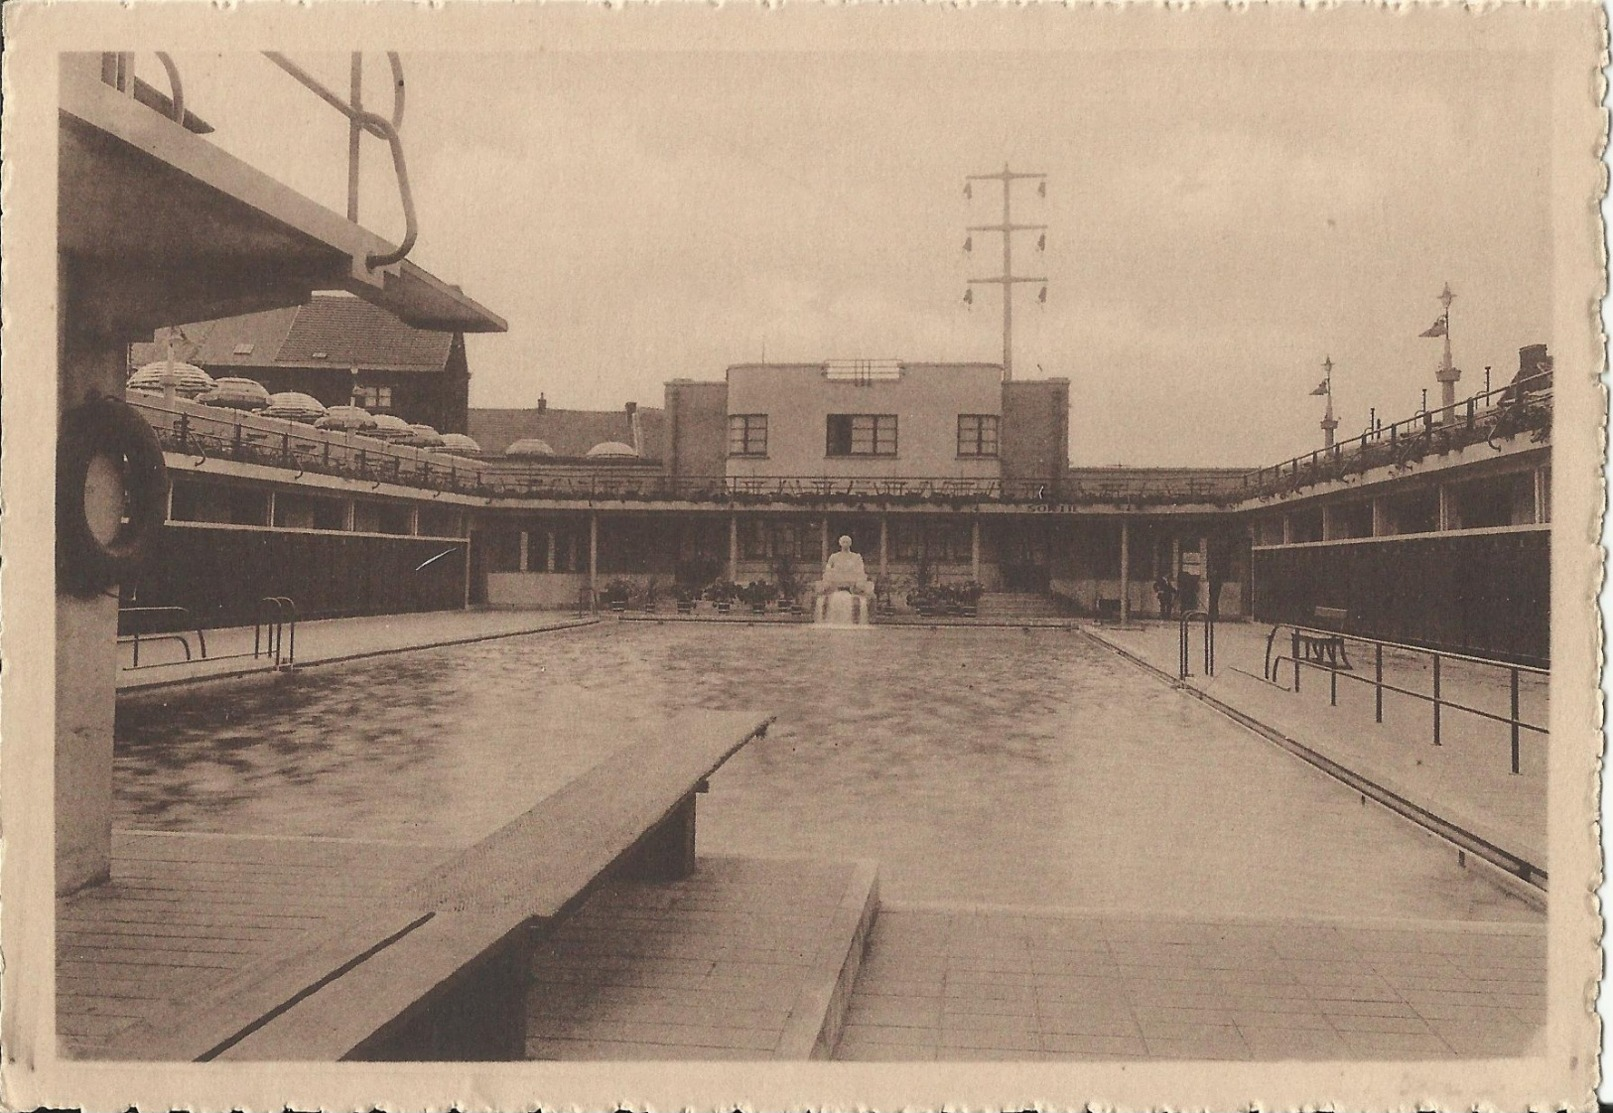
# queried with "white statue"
point(845, 572)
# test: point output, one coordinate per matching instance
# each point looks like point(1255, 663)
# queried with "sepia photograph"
point(865, 556)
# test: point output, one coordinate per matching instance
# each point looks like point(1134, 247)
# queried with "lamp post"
point(1329, 422)
point(1447, 375)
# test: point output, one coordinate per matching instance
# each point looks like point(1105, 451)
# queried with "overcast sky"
point(1219, 221)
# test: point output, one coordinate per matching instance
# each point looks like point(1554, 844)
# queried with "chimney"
point(638, 429)
point(543, 403)
point(1533, 360)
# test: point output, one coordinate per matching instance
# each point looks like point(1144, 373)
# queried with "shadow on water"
point(1001, 766)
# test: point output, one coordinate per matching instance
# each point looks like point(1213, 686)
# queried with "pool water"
point(1001, 766)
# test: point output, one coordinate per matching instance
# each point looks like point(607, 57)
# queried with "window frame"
point(978, 441)
point(875, 432)
point(747, 425)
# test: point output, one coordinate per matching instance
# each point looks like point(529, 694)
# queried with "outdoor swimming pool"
point(1002, 766)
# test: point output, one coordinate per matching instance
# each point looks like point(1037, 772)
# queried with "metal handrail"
point(381, 128)
point(166, 635)
point(1183, 672)
point(283, 606)
point(1437, 698)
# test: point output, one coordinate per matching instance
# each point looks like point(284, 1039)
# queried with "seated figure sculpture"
point(844, 572)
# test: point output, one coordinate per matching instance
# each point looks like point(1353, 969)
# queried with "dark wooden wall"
point(1488, 595)
point(219, 574)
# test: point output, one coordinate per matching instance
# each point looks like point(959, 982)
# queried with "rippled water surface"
point(1000, 766)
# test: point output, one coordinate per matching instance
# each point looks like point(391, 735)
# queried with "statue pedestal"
point(842, 607)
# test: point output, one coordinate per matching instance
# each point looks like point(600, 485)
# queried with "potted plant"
point(686, 599)
point(651, 589)
point(757, 593)
point(616, 594)
point(723, 594)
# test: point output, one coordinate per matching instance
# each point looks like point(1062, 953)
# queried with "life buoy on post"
point(107, 427)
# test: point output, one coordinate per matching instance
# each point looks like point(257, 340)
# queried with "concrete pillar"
point(593, 555)
point(733, 548)
point(525, 549)
point(86, 655)
point(1288, 529)
point(571, 550)
point(270, 520)
point(884, 546)
point(1125, 571)
point(350, 515)
point(1447, 509)
point(548, 560)
point(974, 548)
point(1542, 484)
point(1329, 522)
point(823, 538)
point(1381, 526)
point(414, 519)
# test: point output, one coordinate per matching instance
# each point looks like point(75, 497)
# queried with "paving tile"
point(1093, 1045)
point(1487, 1041)
point(891, 1034)
point(1090, 1024)
point(905, 1012)
point(1219, 1044)
point(1398, 1045)
point(897, 987)
point(989, 1039)
point(989, 1006)
point(1293, 1043)
point(1386, 1024)
point(989, 991)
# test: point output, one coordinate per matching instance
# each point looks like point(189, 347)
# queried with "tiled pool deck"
point(968, 983)
point(1467, 780)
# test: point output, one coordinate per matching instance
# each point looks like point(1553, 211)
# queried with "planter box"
point(618, 606)
point(686, 607)
point(724, 608)
point(759, 608)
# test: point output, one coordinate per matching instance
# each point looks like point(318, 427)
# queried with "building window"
point(373, 397)
point(747, 435)
point(977, 434)
point(861, 435)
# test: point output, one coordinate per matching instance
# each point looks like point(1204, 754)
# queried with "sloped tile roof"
point(569, 432)
point(349, 331)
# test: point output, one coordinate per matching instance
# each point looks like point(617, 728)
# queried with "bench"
point(438, 973)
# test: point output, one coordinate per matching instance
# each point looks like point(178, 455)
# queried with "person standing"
point(1166, 594)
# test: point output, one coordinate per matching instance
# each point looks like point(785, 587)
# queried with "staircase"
point(1016, 606)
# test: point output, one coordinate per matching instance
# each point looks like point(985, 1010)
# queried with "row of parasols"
point(249, 395)
point(189, 381)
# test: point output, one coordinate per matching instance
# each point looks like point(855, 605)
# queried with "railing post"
point(1294, 657)
point(1377, 678)
point(236, 445)
point(1514, 671)
point(285, 448)
point(1437, 742)
point(184, 431)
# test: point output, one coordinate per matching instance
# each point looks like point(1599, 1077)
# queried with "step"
point(665, 970)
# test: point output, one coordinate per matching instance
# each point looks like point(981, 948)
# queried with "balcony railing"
point(1522, 407)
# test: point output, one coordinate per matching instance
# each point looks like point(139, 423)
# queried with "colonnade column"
point(1380, 517)
point(823, 539)
point(974, 548)
point(414, 518)
point(548, 563)
point(1446, 510)
point(1542, 484)
point(733, 548)
point(1125, 571)
point(593, 559)
point(350, 515)
point(270, 508)
point(884, 545)
point(522, 565)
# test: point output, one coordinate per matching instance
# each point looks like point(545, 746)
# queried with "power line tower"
point(1007, 279)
